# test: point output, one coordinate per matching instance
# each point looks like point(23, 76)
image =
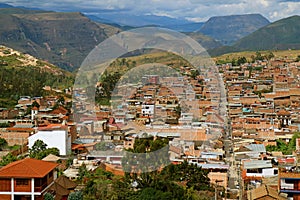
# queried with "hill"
point(22, 74)
point(205, 41)
point(282, 34)
point(228, 29)
point(64, 39)
point(278, 54)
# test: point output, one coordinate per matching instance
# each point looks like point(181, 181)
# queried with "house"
point(289, 183)
point(27, 179)
point(62, 187)
point(54, 135)
point(264, 193)
point(256, 169)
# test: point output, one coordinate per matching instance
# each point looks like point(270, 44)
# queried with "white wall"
point(267, 172)
point(53, 138)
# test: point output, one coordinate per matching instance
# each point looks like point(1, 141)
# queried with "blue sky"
point(193, 10)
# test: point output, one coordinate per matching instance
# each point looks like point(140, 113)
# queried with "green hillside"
point(228, 29)
point(281, 35)
point(22, 74)
point(64, 39)
point(205, 41)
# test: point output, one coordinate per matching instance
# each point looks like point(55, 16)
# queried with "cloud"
point(190, 9)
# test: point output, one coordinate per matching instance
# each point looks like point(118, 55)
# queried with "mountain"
point(190, 27)
point(205, 41)
point(64, 39)
point(140, 20)
point(228, 29)
point(282, 34)
point(108, 22)
point(4, 5)
point(23, 74)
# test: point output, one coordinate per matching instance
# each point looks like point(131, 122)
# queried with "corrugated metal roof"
point(23, 126)
point(256, 147)
point(255, 164)
point(213, 166)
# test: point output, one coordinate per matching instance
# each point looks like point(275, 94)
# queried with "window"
point(22, 182)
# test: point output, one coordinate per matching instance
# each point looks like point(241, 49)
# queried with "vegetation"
point(181, 181)
point(48, 196)
point(20, 76)
point(9, 158)
point(75, 196)
point(39, 150)
point(257, 55)
point(285, 148)
point(75, 35)
point(3, 143)
point(282, 34)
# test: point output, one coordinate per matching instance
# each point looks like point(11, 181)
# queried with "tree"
point(35, 104)
point(61, 101)
point(39, 150)
point(48, 196)
point(38, 146)
point(285, 148)
point(101, 146)
point(3, 143)
point(75, 196)
point(9, 158)
point(270, 55)
point(241, 60)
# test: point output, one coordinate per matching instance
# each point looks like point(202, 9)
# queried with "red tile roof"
point(27, 168)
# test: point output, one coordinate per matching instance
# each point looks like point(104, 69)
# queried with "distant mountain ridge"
point(283, 34)
point(64, 39)
point(228, 29)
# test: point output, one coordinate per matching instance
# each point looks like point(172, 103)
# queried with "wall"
point(53, 138)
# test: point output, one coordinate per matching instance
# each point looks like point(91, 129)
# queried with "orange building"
point(27, 179)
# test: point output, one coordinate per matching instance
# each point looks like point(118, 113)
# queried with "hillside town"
point(240, 123)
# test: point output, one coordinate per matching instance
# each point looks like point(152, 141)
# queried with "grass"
point(290, 54)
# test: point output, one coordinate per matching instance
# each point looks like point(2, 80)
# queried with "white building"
point(54, 135)
point(148, 110)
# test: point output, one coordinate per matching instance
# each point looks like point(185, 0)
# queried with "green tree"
point(9, 158)
point(241, 60)
point(258, 56)
point(48, 196)
point(285, 148)
point(75, 196)
point(39, 150)
point(35, 104)
point(101, 146)
point(3, 143)
point(270, 55)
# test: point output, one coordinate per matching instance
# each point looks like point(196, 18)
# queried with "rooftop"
point(27, 168)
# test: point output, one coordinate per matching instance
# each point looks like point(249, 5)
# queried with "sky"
point(192, 10)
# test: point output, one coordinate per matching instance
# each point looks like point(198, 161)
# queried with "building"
point(27, 179)
point(289, 183)
point(54, 135)
point(264, 193)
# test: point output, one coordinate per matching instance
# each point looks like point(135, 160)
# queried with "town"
point(238, 121)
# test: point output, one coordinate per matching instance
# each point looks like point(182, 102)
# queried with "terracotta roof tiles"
point(27, 168)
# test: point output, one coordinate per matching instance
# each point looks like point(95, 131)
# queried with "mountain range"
point(66, 38)
point(283, 34)
point(229, 29)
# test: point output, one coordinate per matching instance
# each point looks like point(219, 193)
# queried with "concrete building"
point(54, 135)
